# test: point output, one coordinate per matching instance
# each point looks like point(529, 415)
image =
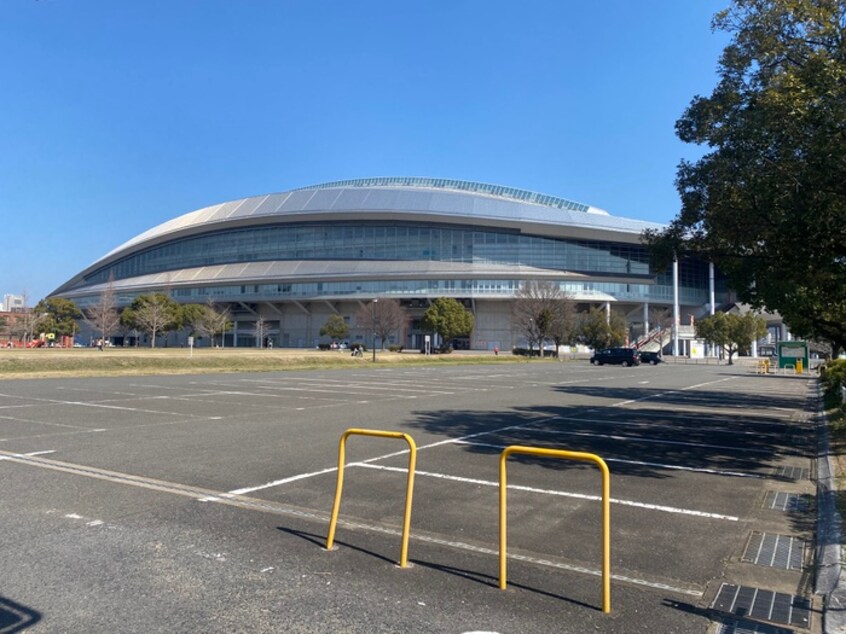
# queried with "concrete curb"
point(831, 578)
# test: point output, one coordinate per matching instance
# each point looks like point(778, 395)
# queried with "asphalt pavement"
point(202, 503)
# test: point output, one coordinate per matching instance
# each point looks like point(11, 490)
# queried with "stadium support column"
point(676, 317)
point(712, 303)
point(645, 318)
point(607, 312)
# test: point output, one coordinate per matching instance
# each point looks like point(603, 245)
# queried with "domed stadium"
point(292, 259)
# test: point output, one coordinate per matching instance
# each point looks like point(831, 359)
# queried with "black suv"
point(618, 356)
point(652, 358)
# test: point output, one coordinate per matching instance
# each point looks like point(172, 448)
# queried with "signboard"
point(789, 352)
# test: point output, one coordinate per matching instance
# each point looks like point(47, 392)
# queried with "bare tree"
point(543, 311)
point(27, 322)
point(211, 320)
point(24, 325)
point(103, 316)
point(219, 320)
point(381, 316)
point(258, 332)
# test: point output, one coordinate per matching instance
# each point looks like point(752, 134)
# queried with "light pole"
point(373, 325)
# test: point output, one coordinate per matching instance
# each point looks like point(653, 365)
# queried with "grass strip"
point(53, 363)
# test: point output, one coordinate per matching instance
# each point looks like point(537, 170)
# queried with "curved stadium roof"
point(408, 199)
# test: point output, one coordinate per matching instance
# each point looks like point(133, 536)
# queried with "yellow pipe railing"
point(412, 461)
point(606, 510)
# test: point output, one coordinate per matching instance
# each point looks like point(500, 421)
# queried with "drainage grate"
point(775, 551)
point(794, 502)
point(765, 605)
point(750, 627)
point(793, 473)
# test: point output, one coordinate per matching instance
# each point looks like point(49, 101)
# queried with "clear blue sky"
point(117, 115)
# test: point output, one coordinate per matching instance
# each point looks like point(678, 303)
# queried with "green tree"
point(597, 329)
point(767, 202)
point(335, 328)
point(731, 332)
point(153, 314)
point(448, 318)
point(57, 315)
point(192, 316)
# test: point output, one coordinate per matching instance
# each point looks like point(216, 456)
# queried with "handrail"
point(606, 509)
point(412, 461)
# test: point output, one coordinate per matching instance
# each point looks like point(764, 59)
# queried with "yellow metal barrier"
point(799, 366)
point(606, 510)
point(412, 462)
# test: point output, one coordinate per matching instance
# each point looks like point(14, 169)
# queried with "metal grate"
point(775, 551)
point(793, 473)
point(764, 605)
point(749, 627)
point(793, 502)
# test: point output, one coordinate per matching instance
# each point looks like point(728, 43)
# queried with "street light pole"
point(373, 325)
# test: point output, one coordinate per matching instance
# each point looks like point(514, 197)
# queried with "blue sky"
point(116, 116)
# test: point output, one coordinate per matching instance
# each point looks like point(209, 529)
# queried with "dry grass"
point(86, 362)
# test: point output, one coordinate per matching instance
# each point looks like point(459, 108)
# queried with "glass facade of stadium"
point(289, 261)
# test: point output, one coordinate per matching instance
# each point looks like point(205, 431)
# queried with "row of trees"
point(153, 314)
point(446, 317)
point(542, 312)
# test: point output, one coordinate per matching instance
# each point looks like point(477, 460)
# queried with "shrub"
point(833, 376)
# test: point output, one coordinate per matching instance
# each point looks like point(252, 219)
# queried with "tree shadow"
point(15, 617)
point(644, 442)
point(698, 398)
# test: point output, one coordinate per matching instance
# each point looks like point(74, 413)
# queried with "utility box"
point(793, 353)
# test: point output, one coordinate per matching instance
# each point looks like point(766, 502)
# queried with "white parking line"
point(567, 494)
point(733, 474)
point(653, 441)
point(649, 425)
point(27, 455)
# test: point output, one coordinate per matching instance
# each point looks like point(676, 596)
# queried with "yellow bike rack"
point(412, 461)
point(606, 510)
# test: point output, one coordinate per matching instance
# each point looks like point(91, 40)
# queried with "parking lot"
point(201, 503)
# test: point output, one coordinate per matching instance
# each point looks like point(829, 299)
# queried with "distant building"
point(288, 261)
point(13, 304)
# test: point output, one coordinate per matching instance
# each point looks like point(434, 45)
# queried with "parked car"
point(652, 358)
point(616, 356)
